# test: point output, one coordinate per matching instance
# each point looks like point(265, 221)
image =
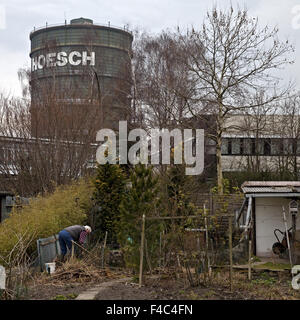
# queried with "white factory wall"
point(239, 163)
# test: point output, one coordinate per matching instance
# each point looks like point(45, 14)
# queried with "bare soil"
point(217, 289)
point(51, 292)
point(264, 286)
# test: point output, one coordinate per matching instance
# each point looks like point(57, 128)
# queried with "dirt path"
point(129, 291)
point(155, 289)
point(91, 293)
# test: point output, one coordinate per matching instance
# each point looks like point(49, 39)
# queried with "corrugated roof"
point(271, 187)
point(270, 190)
point(271, 184)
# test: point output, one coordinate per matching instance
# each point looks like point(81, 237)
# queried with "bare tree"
point(287, 127)
point(231, 59)
point(31, 164)
point(47, 140)
point(159, 76)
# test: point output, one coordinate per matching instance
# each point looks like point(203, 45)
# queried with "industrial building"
point(85, 69)
point(261, 143)
point(80, 82)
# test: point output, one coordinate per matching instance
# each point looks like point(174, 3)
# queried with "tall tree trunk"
point(220, 123)
point(219, 165)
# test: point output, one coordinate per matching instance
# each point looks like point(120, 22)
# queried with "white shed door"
point(269, 217)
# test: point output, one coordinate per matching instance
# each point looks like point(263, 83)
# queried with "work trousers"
point(65, 241)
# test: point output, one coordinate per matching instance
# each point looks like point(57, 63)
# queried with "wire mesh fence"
point(194, 246)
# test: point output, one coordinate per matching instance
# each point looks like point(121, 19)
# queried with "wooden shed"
point(270, 206)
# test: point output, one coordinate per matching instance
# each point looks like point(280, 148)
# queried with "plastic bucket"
point(50, 267)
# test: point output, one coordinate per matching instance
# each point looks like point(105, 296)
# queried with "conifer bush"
point(109, 189)
point(141, 198)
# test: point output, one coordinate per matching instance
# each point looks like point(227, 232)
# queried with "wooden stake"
point(103, 250)
point(142, 251)
point(159, 260)
point(206, 238)
point(249, 259)
point(230, 249)
point(72, 251)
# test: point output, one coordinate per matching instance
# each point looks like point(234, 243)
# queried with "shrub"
point(109, 183)
point(45, 215)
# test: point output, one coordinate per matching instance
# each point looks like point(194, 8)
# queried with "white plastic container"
point(50, 267)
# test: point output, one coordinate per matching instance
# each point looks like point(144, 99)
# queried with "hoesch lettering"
point(62, 58)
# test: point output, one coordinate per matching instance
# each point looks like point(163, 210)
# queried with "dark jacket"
point(75, 231)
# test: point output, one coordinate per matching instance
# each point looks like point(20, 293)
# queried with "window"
point(298, 146)
point(287, 147)
point(224, 146)
point(267, 147)
point(275, 147)
point(260, 147)
point(247, 146)
point(236, 146)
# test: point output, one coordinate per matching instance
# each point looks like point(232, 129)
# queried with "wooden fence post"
point(230, 249)
point(142, 251)
point(160, 249)
point(103, 250)
point(206, 240)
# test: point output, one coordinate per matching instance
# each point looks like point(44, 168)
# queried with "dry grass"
point(78, 271)
point(75, 275)
point(262, 287)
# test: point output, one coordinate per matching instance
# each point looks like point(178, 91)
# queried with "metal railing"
point(108, 24)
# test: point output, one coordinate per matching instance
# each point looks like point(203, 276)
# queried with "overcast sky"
point(19, 17)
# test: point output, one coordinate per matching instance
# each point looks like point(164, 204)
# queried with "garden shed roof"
point(271, 188)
